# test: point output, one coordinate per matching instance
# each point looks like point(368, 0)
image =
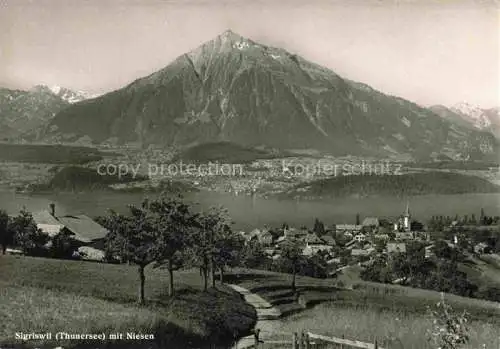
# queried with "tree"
point(449, 329)
point(319, 227)
point(380, 245)
point(252, 255)
point(63, 246)
point(224, 245)
point(473, 219)
point(291, 253)
point(416, 226)
point(27, 236)
point(442, 250)
point(173, 221)
point(134, 239)
point(6, 235)
point(466, 219)
point(200, 247)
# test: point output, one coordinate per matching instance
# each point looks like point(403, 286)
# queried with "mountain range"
point(470, 115)
point(71, 96)
point(26, 111)
point(233, 89)
point(21, 111)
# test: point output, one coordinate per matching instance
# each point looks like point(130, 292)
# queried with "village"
point(338, 246)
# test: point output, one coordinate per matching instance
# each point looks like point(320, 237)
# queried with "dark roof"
point(371, 221)
point(313, 239)
point(329, 240)
point(44, 217)
point(84, 228)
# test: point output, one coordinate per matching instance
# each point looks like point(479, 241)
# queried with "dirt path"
point(266, 316)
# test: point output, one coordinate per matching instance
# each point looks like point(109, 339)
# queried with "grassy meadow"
point(392, 328)
point(50, 295)
point(40, 295)
point(394, 315)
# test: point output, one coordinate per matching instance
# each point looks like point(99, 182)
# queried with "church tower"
point(406, 217)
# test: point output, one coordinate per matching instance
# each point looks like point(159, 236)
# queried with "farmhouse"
point(371, 222)
point(362, 251)
point(85, 230)
point(360, 237)
point(404, 235)
point(263, 236)
point(351, 228)
point(314, 244)
point(329, 240)
point(46, 222)
point(481, 248)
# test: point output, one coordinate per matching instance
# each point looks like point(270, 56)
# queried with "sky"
point(430, 52)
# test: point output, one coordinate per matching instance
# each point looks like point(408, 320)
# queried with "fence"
point(308, 340)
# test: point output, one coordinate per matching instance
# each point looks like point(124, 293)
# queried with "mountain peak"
point(231, 35)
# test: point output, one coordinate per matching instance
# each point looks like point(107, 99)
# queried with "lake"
point(249, 212)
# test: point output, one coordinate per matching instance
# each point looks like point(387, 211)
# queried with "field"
point(53, 295)
point(73, 296)
point(392, 328)
point(396, 316)
point(48, 154)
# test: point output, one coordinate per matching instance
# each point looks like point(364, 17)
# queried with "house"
point(335, 260)
point(329, 240)
point(348, 235)
point(315, 244)
point(362, 251)
point(396, 247)
point(482, 248)
point(351, 244)
point(295, 234)
point(360, 237)
point(404, 235)
point(47, 222)
point(352, 228)
point(263, 236)
point(428, 251)
point(384, 237)
point(313, 239)
point(371, 222)
point(270, 252)
point(85, 230)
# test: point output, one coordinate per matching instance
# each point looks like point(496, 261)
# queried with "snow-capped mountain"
point(21, 111)
point(471, 116)
point(234, 89)
point(71, 96)
point(481, 118)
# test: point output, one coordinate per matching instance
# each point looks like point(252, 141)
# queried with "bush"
point(63, 246)
point(449, 329)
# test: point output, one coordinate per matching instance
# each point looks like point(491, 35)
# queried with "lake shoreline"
point(249, 212)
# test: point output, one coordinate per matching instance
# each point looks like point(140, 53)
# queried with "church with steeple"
point(404, 221)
